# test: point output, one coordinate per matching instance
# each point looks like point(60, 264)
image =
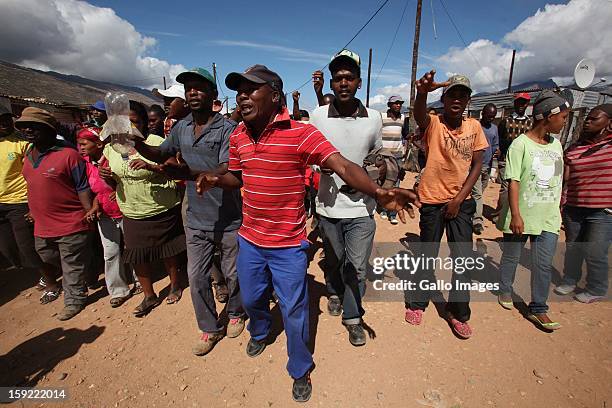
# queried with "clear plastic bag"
point(118, 126)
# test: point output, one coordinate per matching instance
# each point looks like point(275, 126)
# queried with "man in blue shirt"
point(489, 111)
point(201, 140)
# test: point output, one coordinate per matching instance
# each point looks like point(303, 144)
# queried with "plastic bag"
point(118, 126)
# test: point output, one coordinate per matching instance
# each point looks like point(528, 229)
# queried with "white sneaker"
point(586, 297)
point(383, 215)
point(564, 289)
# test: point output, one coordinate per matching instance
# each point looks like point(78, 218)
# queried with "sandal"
point(174, 296)
point(147, 304)
point(41, 285)
point(136, 289)
point(549, 326)
point(49, 296)
point(118, 301)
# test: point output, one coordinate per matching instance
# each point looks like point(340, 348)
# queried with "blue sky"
point(296, 39)
point(139, 42)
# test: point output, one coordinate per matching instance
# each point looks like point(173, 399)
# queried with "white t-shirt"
point(354, 137)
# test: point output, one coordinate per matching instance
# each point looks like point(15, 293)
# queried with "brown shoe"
point(235, 327)
point(68, 312)
point(207, 343)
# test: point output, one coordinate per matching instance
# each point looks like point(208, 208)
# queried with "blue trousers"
point(284, 269)
point(543, 248)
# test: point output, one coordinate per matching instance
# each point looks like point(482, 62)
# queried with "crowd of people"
point(222, 200)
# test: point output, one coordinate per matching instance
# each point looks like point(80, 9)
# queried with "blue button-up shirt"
point(216, 209)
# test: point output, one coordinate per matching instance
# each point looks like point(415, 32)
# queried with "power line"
point(392, 42)
point(466, 46)
point(217, 81)
point(351, 40)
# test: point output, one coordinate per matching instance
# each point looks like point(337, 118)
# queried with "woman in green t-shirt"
point(534, 169)
point(152, 221)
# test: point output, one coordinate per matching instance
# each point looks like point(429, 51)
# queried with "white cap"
point(175, 91)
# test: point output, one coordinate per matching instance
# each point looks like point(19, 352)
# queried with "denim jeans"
point(543, 248)
point(588, 232)
point(347, 243)
point(477, 192)
point(459, 236)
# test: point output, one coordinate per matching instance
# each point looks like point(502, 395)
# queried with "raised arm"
point(423, 86)
point(296, 105)
point(317, 83)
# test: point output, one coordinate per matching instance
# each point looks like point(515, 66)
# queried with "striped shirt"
point(273, 169)
point(590, 175)
point(392, 135)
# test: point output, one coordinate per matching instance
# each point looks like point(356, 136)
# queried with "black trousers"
point(17, 236)
point(459, 236)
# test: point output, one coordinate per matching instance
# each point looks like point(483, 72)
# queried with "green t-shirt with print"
point(539, 170)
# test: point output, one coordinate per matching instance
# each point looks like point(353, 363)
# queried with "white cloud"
point(549, 44)
point(287, 53)
point(75, 37)
point(379, 101)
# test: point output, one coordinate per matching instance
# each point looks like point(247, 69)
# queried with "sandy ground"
point(107, 358)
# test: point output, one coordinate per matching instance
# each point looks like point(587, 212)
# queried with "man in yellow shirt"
point(14, 225)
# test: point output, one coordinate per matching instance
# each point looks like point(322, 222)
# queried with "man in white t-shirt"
point(347, 216)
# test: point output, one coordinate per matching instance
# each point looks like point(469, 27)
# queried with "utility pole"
point(165, 83)
point(511, 71)
point(215, 72)
point(369, 72)
point(415, 60)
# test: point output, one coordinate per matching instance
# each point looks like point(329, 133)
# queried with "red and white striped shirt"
point(590, 175)
point(273, 169)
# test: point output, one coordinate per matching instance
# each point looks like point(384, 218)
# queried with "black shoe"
point(302, 388)
point(357, 335)
point(478, 229)
point(255, 347)
point(334, 306)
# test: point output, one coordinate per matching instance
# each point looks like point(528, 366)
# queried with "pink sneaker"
point(414, 317)
point(461, 329)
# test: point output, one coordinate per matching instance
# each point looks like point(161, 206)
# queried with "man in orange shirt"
point(454, 146)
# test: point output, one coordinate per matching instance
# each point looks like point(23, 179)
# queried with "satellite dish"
point(584, 73)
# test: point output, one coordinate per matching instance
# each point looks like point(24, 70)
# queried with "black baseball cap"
point(259, 74)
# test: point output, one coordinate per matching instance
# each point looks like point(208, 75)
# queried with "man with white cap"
point(394, 132)
point(174, 105)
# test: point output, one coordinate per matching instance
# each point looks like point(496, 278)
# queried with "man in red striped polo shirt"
point(269, 154)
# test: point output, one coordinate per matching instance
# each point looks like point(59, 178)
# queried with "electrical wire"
point(392, 43)
point(467, 48)
point(348, 43)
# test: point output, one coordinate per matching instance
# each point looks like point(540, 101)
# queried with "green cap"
point(458, 80)
point(345, 55)
point(196, 73)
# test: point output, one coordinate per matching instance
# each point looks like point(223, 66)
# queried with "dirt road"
point(107, 358)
